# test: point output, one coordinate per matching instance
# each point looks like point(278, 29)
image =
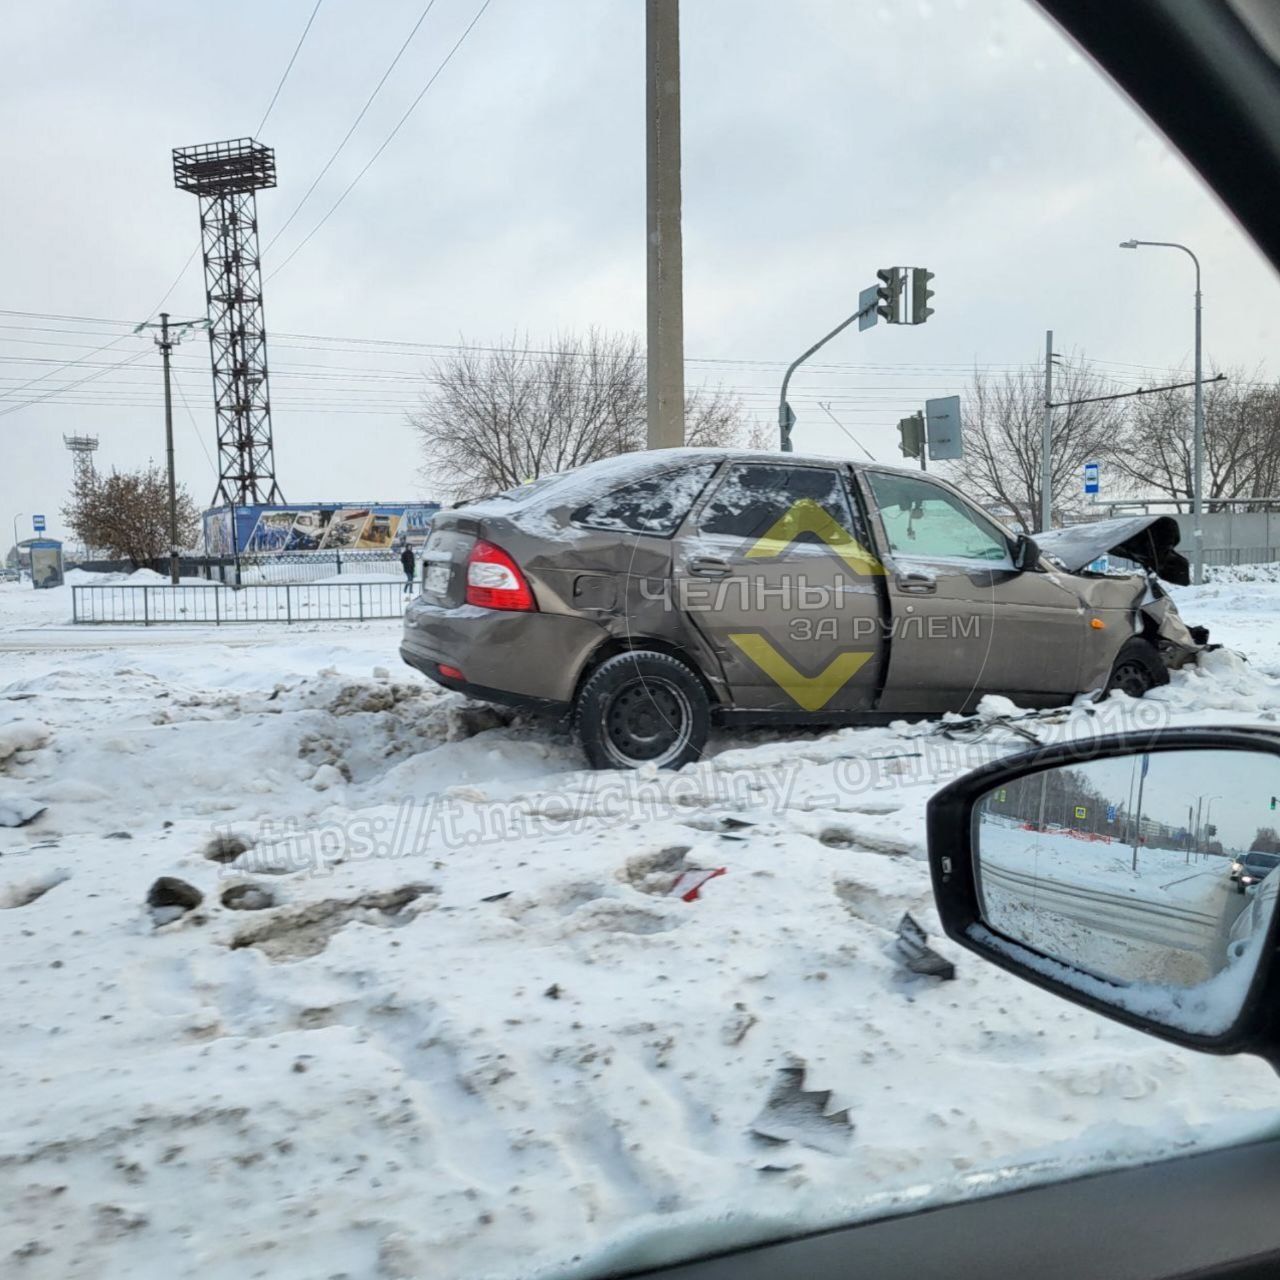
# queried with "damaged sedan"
point(655, 593)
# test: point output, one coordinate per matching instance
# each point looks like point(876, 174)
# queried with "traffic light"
point(889, 294)
point(1273, 802)
point(920, 295)
point(911, 436)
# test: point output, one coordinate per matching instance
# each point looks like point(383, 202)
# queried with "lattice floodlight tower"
point(82, 450)
point(226, 176)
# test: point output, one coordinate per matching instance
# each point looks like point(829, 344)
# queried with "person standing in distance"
point(408, 564)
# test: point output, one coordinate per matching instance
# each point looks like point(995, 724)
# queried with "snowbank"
point(442, 1009)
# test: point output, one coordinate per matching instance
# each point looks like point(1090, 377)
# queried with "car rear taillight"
point(494, 580)
point(450, 673)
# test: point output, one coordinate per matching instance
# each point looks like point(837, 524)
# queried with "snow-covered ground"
point(442, 1008)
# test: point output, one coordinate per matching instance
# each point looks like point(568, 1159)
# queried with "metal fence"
point(216, 604)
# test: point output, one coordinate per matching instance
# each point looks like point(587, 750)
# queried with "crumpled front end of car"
point(1132, 605)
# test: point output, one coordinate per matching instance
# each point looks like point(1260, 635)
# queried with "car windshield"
point(505, 529)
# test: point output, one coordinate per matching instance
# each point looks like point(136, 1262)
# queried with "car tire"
point(642, 707)
point(1137, 669)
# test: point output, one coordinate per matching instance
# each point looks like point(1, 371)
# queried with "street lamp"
point(1197, 495)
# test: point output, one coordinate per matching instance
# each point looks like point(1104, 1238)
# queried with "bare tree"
point(498, 416)
point(1241, 440)
point(1003, 431)
point(126, 513)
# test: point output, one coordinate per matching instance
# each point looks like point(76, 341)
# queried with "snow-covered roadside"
point(467, 1028)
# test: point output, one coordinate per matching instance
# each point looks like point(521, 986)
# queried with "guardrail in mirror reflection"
point(1151, 868)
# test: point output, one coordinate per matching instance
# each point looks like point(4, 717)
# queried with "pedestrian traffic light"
point(889, 294)
point(920, 295)
point(911, 436)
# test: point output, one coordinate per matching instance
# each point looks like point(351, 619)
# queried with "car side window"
point(655, 505)
point(925, 521)
point(752, 497)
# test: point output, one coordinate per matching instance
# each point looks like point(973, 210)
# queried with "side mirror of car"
point(1084, 868)
point(1026, 553)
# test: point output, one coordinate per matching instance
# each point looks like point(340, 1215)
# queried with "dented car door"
point(964, 619)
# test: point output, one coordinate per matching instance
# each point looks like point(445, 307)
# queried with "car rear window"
point(655, 505)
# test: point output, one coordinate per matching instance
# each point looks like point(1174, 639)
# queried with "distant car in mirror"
point(1254, 868)
point(1073, 866)
point(652, 594)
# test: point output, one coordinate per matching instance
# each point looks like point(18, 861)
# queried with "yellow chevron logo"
point(810, 693)
point(807, 516)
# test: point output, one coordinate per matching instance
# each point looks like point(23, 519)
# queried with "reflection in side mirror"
point(1145, 880)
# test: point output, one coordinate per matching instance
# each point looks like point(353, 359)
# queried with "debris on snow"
point(170, 898)
point(793, 1114)
point(917, 955)
point(689, 884)
point(225, 846)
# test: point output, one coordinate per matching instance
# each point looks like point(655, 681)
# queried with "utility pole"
point(168, 338)
point(166, 347)
point(666, 253)
point(1046, 440)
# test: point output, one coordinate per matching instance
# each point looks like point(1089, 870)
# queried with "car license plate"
point(436, 579)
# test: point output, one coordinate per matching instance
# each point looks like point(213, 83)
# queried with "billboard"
point(376, 526)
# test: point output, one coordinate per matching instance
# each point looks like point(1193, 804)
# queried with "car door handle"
point(709, 567)
point(916, 584)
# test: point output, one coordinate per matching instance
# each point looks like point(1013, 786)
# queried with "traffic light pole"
point(786, 419)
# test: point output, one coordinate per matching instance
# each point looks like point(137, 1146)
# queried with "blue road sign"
point(37, 523)
point(1091, 477)
point(1111, 813)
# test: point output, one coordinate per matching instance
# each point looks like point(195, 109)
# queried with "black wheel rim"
point(647, 722)
point(1132, 679)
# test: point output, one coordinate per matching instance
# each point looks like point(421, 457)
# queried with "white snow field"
point(442, 1008)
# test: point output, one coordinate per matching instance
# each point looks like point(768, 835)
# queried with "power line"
point(354, 124)
point(386, 141)
point(90, 377)
point(195, 429)
point(292, 60)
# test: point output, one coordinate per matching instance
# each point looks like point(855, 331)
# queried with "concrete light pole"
point(16, 552)
point(1197, 483)
point(666, 253)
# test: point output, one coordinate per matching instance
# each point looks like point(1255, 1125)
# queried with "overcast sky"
point(822, 139)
